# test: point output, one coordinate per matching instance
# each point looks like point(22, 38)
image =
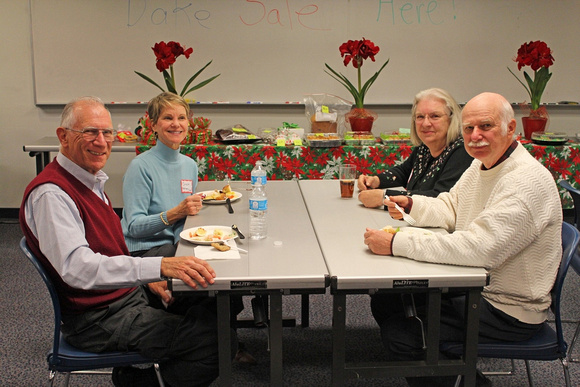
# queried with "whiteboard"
point(274, 51)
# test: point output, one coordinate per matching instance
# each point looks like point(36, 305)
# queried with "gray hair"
point(454, 111)
point(69, 119)
point(506, 114)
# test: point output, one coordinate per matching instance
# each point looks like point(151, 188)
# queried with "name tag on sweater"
point(187, 186)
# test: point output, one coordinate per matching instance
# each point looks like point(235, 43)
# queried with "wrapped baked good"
point(236, 134)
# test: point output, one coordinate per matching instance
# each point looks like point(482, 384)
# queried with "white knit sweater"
point(507, 220)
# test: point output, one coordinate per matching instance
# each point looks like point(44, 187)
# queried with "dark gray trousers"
point(187, 343)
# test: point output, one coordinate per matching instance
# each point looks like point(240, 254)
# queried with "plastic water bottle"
point(259, 173)
point(258, 211)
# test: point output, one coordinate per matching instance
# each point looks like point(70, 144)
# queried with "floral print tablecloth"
point(235, 162)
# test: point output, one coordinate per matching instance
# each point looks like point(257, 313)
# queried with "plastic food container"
point(359, 138)
point(395, 137)
point(546, 138)
point(323, 140)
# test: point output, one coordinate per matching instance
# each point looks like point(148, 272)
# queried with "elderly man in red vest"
point(70, 225)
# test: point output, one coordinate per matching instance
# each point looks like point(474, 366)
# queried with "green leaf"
point(169, 82)
point(345, 82)
point(200, 85)
point(525, 87)
point(371, 80)
point(145, 77)
point(183, 92)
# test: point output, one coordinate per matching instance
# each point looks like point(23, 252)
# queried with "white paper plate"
point(190, 234)
point(237, 196)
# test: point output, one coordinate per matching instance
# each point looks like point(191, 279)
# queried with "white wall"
point(22, 122)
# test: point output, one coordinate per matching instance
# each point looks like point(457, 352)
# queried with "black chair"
point(575, 193)
point(67, 359)
point(548, 344)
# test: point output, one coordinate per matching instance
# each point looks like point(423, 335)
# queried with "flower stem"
point(359, 100)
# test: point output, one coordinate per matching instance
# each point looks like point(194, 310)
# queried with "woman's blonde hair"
point(162, 101)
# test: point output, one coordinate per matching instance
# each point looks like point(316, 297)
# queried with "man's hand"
point(191, 270)
point(401, 200)
point(371, 198)
point(160, 289)
point(379, 241)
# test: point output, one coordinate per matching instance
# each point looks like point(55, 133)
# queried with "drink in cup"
point(347, 179)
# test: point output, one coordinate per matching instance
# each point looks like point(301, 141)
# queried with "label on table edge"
point(248, 284)
point(411, 283)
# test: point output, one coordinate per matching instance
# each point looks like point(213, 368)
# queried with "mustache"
point(477, 144)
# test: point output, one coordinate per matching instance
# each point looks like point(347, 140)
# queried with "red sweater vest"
point(102, 231)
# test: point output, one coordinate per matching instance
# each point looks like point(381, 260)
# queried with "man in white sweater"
point(504, 214)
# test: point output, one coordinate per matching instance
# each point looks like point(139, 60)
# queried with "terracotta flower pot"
point(361, 120)
point(533, 124)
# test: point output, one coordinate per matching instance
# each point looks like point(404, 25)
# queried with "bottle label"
point(259, 205)
point(263, 179)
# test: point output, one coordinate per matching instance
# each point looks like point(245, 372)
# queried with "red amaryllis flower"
point(357, 51)
point(534, 54)
point(538, 56)
point(166, 54)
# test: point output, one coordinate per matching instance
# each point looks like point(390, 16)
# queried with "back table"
point(221, 161)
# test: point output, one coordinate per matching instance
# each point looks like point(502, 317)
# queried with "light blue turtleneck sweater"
point(155, 181)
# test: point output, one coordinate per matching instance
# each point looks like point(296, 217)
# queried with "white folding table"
point(354, 269)
point(287, 261)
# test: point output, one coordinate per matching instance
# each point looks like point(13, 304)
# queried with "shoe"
point(243, 356)
point(134, 377)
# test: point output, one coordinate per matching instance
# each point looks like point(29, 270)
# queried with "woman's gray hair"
point(69, 119)
point(454, 111)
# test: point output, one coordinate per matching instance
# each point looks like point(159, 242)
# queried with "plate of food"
point(408, 230)
point(219, 196)
point(206, 235)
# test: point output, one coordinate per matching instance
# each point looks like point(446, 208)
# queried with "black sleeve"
point(398, 176)
point(457, 163)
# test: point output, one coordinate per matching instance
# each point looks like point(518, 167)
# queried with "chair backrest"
point(51, 290)
point(570, 240)
point(575, 193)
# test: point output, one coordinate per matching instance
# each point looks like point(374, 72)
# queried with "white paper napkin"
point(209, 253)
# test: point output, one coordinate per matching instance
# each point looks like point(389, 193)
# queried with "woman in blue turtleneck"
point(159, 184)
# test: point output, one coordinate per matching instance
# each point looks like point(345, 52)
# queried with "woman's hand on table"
point(191, 270)
point(371, 198)
point(379, 241)
point(191, 205)
point(401, 200)
point(365, 182)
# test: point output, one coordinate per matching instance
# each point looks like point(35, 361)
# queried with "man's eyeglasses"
point(91, 134)
point(433, 117)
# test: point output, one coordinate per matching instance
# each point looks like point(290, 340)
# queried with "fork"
point(406, 217)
